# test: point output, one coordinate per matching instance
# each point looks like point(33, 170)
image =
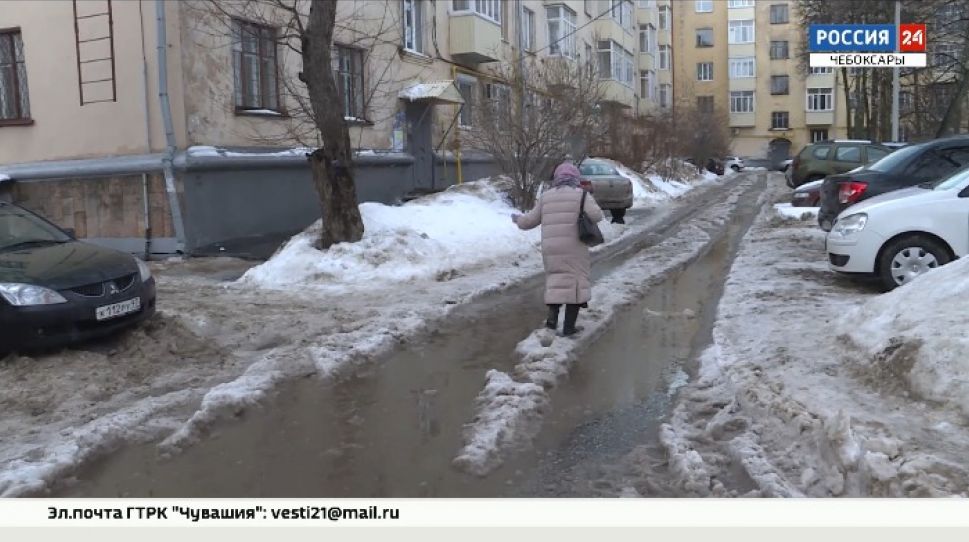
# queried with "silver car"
point(611, 190)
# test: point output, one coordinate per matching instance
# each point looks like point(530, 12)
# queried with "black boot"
point(571, 315)
point(552, 322)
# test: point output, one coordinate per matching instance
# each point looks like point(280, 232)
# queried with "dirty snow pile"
point(652, 189)
point(434, 238)
point(786, 210)
point(816, 385)
point(921, 330)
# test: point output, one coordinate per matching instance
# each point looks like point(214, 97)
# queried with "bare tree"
point(533, 115)
point(342, 74)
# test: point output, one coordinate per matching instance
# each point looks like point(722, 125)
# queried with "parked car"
point(612, 191)
point(807, 195)
point(785, 165)
point(909, 166)
point(900, 235)
point(56, 290)
point(733, 162)
point(818, 160)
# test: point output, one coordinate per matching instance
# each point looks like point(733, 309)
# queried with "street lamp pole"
point(895, 78)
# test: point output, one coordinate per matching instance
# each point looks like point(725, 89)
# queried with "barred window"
point(14, 101)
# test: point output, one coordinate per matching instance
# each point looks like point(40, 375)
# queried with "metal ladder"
point(95, 52)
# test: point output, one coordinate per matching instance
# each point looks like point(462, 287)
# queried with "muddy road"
point(392, 428)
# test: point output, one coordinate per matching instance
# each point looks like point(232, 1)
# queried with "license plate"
point(118, 309)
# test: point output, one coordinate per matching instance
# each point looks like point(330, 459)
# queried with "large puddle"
point(392, 429)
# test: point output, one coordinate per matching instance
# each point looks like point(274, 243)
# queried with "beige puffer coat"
point(566, 258)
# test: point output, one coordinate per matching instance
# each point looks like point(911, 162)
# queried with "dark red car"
point(808, 195)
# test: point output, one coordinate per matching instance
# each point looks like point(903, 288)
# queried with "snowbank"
point(4, 177)
point(429, 238)
point(434, 238)
point(786, 210)
point(918, 332)
point(205, 150)
point(652, 189)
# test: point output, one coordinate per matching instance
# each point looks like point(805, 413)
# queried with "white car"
point(902, 234)
point(733, 162)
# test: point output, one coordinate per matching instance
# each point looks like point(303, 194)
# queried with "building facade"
point(90, 117)
point(744, 57)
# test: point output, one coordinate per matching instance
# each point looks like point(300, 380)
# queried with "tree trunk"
point(332, 165)
point(848, 112)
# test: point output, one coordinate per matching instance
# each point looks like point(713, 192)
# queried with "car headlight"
point(143, 270)
point(25, 295)
point(850, 225)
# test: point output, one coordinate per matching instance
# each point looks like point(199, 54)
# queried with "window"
point(740, 31)
point(847, 153)
point(14, 102)
point(466, 88)
point(528, 29)
point(743, 67)
point(414, 25)
point(490, 9)
point(874, 153)
point(943, 53)
point(622, 12)
point(780, 84)
point(615, 62)
point(664, 17)
point(740, 4)
point(704, 37)
point(348, 72)
point(905, 100)
point(820, 99)
point(647, 4)
point(254, 66)
point(821, 71)
point(779, 120)
point(664, 57)
point(822, 152)
point(561, 30)
point(664, 95)
point(704, 104)
point(647, 38)
point(779, 14)
point(498, 100)
point(704, 6)
point(647, 84)
point(742, 101)
point(819, 134)
point(704, 71)
point(778, 50)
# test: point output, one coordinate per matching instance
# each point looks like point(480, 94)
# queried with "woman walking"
point(566, 258)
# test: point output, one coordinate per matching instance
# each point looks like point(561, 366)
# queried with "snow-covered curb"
point(509, 409)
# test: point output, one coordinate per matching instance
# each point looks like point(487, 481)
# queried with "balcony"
point(474, 38)
point(819, 118)
point(742, 120)
point(616, 93)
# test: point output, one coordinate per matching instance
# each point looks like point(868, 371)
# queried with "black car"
point(906, 167)
point(56, 290)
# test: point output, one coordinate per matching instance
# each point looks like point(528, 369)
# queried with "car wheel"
point(735, 167)
point(906, 258)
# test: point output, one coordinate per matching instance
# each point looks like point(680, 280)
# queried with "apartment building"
point(161, 123)
point(742, 57)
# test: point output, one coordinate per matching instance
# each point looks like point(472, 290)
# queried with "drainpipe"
point(457, 134)
point(144, 84)
point(166, 113)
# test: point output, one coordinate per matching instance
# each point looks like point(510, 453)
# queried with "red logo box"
point(911, 38)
